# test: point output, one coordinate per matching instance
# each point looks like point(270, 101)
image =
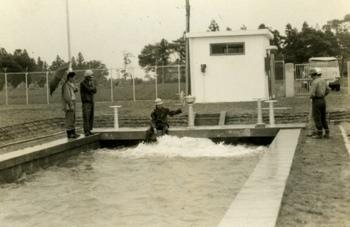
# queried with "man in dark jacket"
point(87, 91)
point(159, 120)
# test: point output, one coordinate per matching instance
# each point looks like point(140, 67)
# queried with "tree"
point(19, 61)
point(22, 58)
point(80, 61)
point(155, 54)
point(262, 26)
point(347, 17)
point(332, 25)
point(277, 40)
point(126, 62)
point(41, 65)
point(213, 26)
point(244, 27)
point(178, 47)
point(309, 42)
point(344, 46)
point(56, 63)
point(74, 63)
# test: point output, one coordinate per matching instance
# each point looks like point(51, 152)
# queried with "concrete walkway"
point(258, 202)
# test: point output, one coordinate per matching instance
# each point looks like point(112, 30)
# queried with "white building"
point(229, 66)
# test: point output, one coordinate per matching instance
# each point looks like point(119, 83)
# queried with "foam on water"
point(171, 146)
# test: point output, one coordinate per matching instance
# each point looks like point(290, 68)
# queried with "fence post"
point(289, 74)
point(111, 78)
point(348, 64)
point(133, 87)
point(178, 80)
point(6, 88)
point(26, 77)
point(273, 75)
point(156, 80)
point(47, 88)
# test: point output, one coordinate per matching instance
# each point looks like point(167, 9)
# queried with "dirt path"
point(318, 188)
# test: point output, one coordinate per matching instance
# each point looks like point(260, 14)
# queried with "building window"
point(226, 48)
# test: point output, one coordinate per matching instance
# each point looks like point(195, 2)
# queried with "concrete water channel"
point(257, 203)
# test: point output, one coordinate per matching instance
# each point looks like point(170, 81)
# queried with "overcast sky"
point(103, 29)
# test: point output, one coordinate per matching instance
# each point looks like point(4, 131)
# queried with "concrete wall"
point(16, 164)
point(229, 77)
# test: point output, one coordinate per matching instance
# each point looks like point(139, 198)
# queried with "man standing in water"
point(69, 91)
point(319, 90)
point(87, 92)
point(159, 120)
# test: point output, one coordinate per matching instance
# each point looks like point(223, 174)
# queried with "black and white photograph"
point(174, 113)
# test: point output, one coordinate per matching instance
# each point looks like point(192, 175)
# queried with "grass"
point(17, 114)
point(145, 94)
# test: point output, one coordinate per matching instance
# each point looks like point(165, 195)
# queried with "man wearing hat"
point(159, 120)
point(69, 91)
point(319, 90)
point(87, 92)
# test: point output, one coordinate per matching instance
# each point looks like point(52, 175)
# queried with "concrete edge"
point(259, 201)
point(27, 160)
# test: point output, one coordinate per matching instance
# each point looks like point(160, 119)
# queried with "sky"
point(104, 29)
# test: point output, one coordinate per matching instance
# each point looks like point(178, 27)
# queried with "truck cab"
point(330, 70)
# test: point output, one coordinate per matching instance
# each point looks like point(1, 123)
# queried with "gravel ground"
point(318, 188)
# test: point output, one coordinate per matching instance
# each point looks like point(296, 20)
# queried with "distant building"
point(229, 66)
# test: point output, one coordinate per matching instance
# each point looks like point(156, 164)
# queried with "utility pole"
point(188, 72)
point(68, 38)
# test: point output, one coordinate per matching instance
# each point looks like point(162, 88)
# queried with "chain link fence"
point(302, 80)
point(166, 82)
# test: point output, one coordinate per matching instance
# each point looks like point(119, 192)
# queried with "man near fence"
point(69, 91)
point(87, 92)
point(319, 90)
point(159, 120)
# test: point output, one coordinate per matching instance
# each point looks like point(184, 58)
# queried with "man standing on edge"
point(69, 91)
point(87, 91)
point(319, 90)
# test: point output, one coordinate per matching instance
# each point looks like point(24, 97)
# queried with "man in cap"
point(87, 92)
point(159, 120)
point(319, 90)
point(69, 91)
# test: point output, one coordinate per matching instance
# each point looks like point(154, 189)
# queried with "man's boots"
point(71, 134)
point(317, 135)
point(326, 135)
point(74, 135)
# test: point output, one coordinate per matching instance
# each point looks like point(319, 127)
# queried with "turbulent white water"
point(175, 182)
point(171, 146)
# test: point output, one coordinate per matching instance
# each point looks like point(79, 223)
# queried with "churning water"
point(175, 182)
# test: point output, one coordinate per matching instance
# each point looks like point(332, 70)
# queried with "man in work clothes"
point(319, 90)
point(69, 91)
point(87, 92)
point(159, 120)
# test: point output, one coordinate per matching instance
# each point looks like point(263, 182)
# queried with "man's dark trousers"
point(88, 116)
point(319, 114)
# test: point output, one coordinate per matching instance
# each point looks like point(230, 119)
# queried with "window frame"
point(226, 48)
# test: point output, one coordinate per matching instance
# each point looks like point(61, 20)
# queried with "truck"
point(330, 70)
